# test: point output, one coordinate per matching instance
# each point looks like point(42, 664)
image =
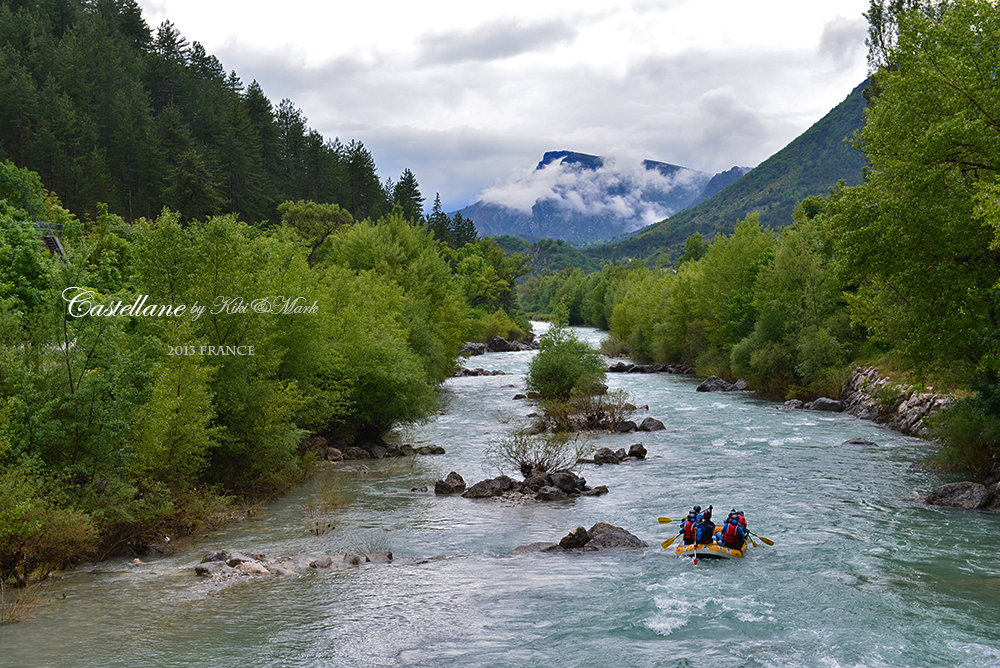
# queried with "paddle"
point(766, 540)
point(668, 543)
point(664, 520)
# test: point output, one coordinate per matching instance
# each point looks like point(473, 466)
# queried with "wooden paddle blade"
point(766, 540)
point(664, 520)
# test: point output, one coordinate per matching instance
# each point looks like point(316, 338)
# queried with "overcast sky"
point(469, 96)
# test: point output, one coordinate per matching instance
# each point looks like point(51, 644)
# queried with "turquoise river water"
point(861, 572)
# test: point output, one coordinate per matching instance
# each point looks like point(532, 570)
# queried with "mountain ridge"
point(586, 199)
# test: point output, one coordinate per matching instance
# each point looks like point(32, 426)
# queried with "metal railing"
point(44, 229)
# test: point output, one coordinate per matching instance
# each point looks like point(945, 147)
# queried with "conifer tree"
point(406, 194)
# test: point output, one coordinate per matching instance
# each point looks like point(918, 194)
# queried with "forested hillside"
point(106, 109)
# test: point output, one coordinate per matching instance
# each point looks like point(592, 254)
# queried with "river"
point(861, 573)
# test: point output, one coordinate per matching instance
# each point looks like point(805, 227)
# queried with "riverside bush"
point(563, 363)
point(969, 432)
point(527, 453)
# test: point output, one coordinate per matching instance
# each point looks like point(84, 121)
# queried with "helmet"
point(697, 509)
point(708, 513)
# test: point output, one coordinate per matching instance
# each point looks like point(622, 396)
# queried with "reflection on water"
point(861, 573)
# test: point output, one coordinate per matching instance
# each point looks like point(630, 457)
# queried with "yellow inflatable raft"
point(709, 551)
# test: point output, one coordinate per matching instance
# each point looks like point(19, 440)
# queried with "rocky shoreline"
point(871, 396)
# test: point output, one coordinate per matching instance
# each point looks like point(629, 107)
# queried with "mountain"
point(810, 165)
point(584, 198)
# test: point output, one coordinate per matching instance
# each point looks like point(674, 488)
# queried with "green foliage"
point(908, 237)
point(694, 249)
point(22, 189)
point(549, 255)
point(562, 364)
point(488, 274)
point(406, 194)
point(313, 223)
point(801, 339)
point(639, 301)
point(969, 432)
point(37, 531)
point(434, 313)
point(497, 323)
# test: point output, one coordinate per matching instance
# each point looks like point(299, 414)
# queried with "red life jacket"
point(729, 534)
point(689, 530)
point(743, 521)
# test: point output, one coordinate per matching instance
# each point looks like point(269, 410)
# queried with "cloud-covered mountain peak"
point(583, 198)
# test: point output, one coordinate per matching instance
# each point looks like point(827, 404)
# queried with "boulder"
point(473, 348)
point(286, 567)
point(452, 484)
point(637, 450)
point(322, 562)
point(402, 450)
point(969, 495)
point(716, 384)
point(334, 455)
point(550, 493)
point(651, 424)
point(498, 344)
point(597, 491)
point(215, 555)
point(535, 482)
point(236, 558)
point(625, 427)
point(578, 537)
point(485, 489)
point(825, 404)
point(375, 449)
point(379, 557)
point(606, 456)
point(605, 536)
point(429, 450)
point(858, 442)
point(352, 559)
point(621, 454)
point(213, 569)
point(540, 546)
point(251, 568)
point(793, 404)
point(566, 481)
point(355, 452)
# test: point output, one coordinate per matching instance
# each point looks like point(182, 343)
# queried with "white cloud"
point(464, 93)
point(498, 39)
point(616, 188)
point(843, 39)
